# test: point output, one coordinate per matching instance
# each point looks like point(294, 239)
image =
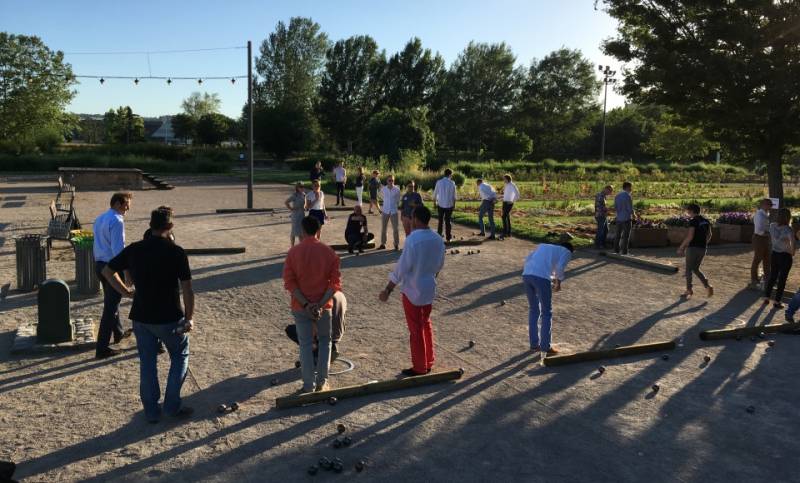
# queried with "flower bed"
point(736, 227)
point(645, 233)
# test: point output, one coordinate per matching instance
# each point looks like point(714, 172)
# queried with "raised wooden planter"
point(676, 234)
point(649, 237)
point(735, 233)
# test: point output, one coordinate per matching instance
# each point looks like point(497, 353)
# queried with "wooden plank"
point(245, 210)
point(629, 350)
point(343, 246)
point(214, 251)
point(667, 267)
point(463, 243)
point(368, 388)
point(718, 334)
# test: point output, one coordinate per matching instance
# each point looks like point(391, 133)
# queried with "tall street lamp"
point(608, 78)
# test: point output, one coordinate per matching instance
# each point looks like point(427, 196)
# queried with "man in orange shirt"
point(311, 275)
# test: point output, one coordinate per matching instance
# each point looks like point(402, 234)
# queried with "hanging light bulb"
point(102, 81)
point(233, 80)
point(199, 81)
point(136, 81)
point(169, 81)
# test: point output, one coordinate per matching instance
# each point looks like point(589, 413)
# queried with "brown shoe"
point(552, 351)
point(687, 294)
point(710, 291)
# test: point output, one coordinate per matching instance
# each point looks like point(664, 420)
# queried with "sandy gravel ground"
point(67, 417)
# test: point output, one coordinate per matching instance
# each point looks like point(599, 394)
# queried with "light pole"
point(608, 78)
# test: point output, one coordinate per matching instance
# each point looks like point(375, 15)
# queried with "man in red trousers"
point(420, 263)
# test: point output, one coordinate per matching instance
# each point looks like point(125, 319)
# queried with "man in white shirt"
point(109, 240)
point(391, 197)
point(488, 199)
point(761, 245)
point(510, 196)
point(416, 270)
point(340, 175)
point(444, 197)
point(543, 264)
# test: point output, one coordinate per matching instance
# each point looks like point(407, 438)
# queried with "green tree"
point(198, 105)
point(674, 142)
point(392, 131)
point(413, 77)
point(346, 98)
point(214, 128)
point(183, 126)
point(511, 144)
point(123, 126)
point(35, 88)
point(284, 129)
point(559, 102)
point(730, 67)
point(480, 91)
point(291, 63)
point(627, 128)
point(90, 131)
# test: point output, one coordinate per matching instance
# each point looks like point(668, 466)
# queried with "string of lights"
point(169, 79)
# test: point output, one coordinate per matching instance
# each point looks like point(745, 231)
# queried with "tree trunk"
point(775, 176)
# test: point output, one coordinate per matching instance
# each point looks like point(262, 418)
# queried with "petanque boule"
point(296, 364)
point(762, 335)
point(655, 387)
point(332, 401)
point(325, 463)
point(771, 343)
point(601, 369)
point(222, 408)
point(341, 428)
point(273, 382)
point(360, 466)
point(234, 406)
point(707, 358)
point(665, 357)
point(471, 343)
point(751, 409)
point(738, 337)
point(347, 441)
point(337, 443)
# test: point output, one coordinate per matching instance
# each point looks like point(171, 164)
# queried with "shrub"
point(510, 144)
point(681, 221)
point(735, 218)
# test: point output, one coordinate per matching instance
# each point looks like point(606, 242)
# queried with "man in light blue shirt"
point(623, 205)
point(109, 240)
point(543, 264)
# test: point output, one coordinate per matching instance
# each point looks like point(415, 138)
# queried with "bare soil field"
point(68, 417)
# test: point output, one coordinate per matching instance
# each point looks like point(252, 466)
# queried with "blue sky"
point(532, 28)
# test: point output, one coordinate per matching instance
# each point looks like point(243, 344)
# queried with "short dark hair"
point(423, 214)
point(627, 185)
point(508, 178)
point(448, 172)
point(310, 225)
point(568, 246)
point(160, 219)
point(121, 197)
point(784, 216)
point(693, 208)
point(479, 181)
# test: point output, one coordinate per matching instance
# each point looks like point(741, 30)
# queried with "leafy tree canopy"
point(198, 105)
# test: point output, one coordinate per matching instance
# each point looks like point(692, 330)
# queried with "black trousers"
point(340, 192)
point(109, 321)
point(446, 217)
point(779, 266)
point(507, 218)
point(358, 240)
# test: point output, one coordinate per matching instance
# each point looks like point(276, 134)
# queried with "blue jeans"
point(794, 304)
point(487, 207)
point(602, 231)
point(312, 376)
point(109, 321)
point(147, 337)
point(540, 296)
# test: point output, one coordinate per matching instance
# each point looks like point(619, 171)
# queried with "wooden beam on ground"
point(343, 246)
point(629, 350)
point(666, 267)
point(245, 210)
point(463, 243)
point(214, 251)
point(368, 388)
point(747, 331)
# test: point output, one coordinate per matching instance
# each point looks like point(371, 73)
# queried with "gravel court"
point(74, 418)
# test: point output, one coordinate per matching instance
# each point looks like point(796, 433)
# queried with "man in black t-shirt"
point(694, 246)
point(158, 268)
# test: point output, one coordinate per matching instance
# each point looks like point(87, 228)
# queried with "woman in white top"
point(783, 246)
point(510, 195)
point(315, 203)
point(296, 205)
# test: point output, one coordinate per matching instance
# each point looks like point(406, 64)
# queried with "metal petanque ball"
point(337, 443)
point(234, 406)
point(707, 358)
point(751, 409)
point(332, 401)
point(273, 382)
point(655, 387)
point(222, 408)
point(360, 466)
point(762, 335)
point(665, 357)
point(472, 343)
point(771, 343)
point(601, 369)
point(341, 428)
point(347, 441)
point(297, 364)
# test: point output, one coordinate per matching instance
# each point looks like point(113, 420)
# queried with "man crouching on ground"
point(157, 265)
point(311, 275)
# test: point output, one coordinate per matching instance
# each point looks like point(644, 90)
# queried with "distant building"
point(163, 133)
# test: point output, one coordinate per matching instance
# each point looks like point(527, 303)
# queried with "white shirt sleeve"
point(403, 266)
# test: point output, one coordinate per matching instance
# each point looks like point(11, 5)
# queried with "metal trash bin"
point(31, 261)
point(85, 274)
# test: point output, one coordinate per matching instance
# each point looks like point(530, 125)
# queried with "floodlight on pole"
point(608, 78)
